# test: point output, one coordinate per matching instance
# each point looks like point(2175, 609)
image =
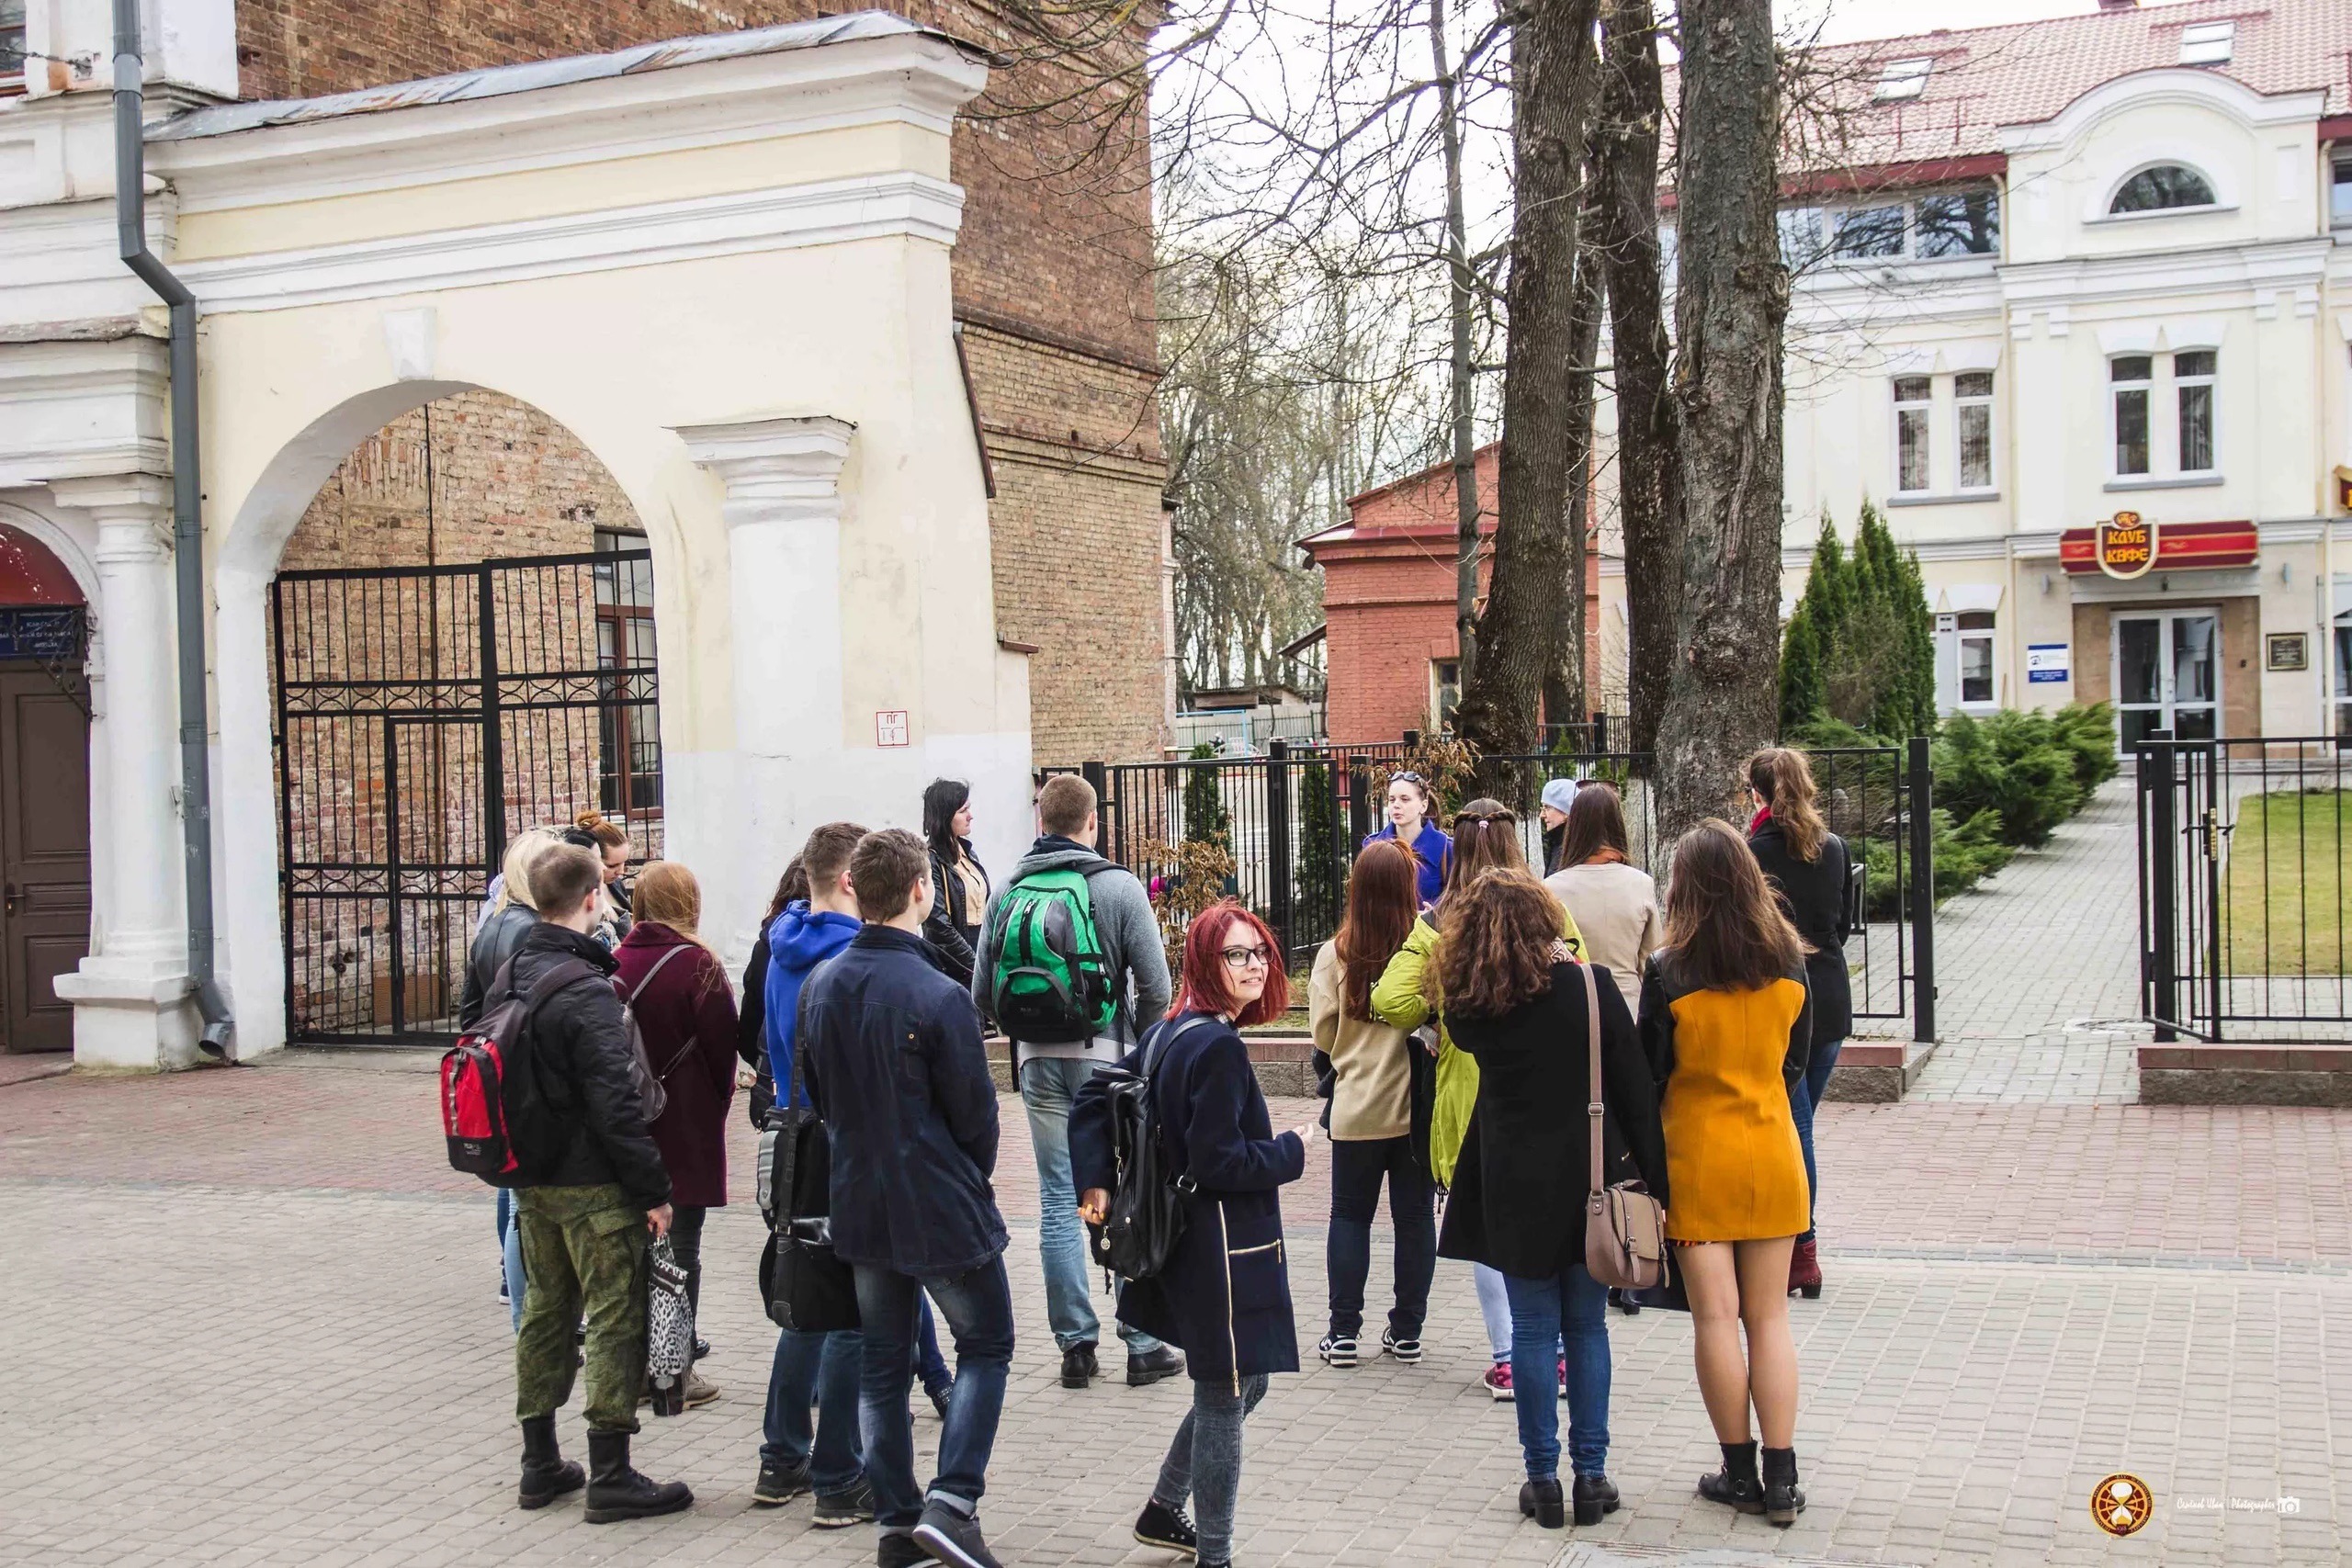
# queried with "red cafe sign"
point(2128, 546)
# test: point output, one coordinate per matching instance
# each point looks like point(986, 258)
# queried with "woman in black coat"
point(1808, 867)
point(1224, 1296)
point(959, 883)
point(1517, 1001)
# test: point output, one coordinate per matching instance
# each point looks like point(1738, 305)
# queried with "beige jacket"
point(1372, 1082)
point(1616, 908)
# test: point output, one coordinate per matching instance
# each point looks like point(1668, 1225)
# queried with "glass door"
point(2168, 675)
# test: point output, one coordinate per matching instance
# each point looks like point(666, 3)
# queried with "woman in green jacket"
point(1485, 834)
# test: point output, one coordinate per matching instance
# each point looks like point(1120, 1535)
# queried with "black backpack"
point(1146, 1215)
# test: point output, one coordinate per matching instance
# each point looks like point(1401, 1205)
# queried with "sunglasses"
point(1407, 777)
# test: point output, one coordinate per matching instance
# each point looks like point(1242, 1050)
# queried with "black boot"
point(546, 1475)
point(618, 1492)
point(1784, 1501)
point(1541, 1501)
point(1735, 1486)
point(1593, 1497)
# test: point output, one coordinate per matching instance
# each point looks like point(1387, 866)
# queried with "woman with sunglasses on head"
point(1409, 807)
point(1224, 1296)
point(1725, 1022)
point(1406, 996)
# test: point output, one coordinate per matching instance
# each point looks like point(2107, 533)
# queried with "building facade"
point(2076, 312)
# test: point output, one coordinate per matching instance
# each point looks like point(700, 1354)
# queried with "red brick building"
point(1388, 584)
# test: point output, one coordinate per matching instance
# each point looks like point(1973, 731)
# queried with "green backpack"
point(1050, 984)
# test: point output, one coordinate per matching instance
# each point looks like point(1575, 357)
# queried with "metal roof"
point(224, 119)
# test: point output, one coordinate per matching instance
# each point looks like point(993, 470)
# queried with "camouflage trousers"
point(583, 1252)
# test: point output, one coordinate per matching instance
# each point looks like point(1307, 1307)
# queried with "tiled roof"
point(2024, 73)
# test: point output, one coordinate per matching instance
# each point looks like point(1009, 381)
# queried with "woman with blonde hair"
point(610, 840)
point(1808, 867)
point(1725, 1022)
point(677, 988)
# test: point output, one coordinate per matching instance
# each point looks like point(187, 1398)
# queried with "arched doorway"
point(461, 646)
point(44, 792)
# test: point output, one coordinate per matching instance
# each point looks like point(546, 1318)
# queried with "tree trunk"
point(1729, 305)
point(1567, 699)
point(1649, 478)
point(1552, 83)
point(1462, 308)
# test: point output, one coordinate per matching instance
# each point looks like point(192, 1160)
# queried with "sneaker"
point(1161, 1526)
point(1405, 1351)
point(503, 1299)
point(1337, 1350)
point(1564, 1377)
point(898, 1551)
point(1497, 1382)
point(853, 1505)
point(1078, 1365)
point(953, 1538)
point(1143, 1371)
point(778, 1484)
point(700, 1390)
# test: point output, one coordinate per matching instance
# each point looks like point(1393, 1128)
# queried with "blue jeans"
point(1804, 1096)
point(510, 1246)
point(1569, 1314)
point(979, 1309)
point(931, 1367)
point(1048, 1085)
point(822, 1369)
point(1205, 1461)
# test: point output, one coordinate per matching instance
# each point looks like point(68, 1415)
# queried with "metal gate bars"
point(425, 714)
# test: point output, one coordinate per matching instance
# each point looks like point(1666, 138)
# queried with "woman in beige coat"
point(1371, 1113)
point(1615, 906)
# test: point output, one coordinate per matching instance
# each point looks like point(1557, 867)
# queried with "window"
point(1445, 682)
point(2165, 186)
point(12, 41)
point(2339, 193)
point(1800, 237)
point(1959, 223)
point(1913, 402)
point(1901, 79)
point(2206, 43)
point(629, 742)
point(2192, 380)
point(1972, 401)
point(1669, 252)
point(2129, 375)
point(2343, 688)
point(1975, 656)
point(1871, 231)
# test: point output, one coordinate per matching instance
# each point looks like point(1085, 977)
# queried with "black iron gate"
point(425, 714)
point(2246, 886)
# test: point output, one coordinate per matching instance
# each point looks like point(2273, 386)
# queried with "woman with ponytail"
point(1807, 866)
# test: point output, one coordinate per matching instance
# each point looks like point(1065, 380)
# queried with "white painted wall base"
point(135, 1021)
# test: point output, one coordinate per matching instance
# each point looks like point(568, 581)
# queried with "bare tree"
point(1730, 302)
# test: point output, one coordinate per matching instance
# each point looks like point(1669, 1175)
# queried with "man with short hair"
point(1050, 1073)
point(811, 1367)
point(892, 1054)
point(595, 1190)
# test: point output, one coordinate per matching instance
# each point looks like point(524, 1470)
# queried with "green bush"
point(1965, 855)
point(2013, 763)
point(2088, 732)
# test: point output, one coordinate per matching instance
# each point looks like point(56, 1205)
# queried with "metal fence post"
point(2155, 769)
point(1277, 856)
point(1923, 893)
point(493, 731)
point(1599, 732)
point(1359, 803)
point(1109, 841)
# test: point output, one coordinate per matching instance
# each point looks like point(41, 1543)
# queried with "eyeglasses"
point(1247, 958)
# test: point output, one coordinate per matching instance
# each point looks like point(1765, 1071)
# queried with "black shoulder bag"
point(806, 1286)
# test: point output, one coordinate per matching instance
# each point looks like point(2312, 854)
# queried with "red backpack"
point(490, 1102)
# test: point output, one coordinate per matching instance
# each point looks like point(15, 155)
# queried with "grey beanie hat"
point(1559, 792)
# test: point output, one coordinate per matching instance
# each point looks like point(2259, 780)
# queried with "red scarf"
point(1763, 815)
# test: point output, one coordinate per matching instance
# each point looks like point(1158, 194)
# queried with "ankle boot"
point(1593, 1495)
point(546, 1475)
point(618, 1492)
point(1541, 1501)
point(1735, 1486)
point(1805, 1271)
point(1782, 1499)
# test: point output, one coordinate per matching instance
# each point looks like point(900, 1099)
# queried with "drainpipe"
point(187, 526)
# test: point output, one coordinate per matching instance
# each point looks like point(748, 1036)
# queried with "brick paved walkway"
point(255, 1322)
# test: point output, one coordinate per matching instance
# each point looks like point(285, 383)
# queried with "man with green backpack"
point(1071, 967)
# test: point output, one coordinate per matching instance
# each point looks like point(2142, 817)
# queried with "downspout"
point(187, 525)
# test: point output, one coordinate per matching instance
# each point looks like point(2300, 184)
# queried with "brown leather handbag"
point(1625, 1227)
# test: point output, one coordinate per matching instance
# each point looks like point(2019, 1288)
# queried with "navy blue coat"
point(1225, 1296)
point(891, 1054)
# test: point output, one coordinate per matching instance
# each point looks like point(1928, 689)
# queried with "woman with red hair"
point(1224, 1296)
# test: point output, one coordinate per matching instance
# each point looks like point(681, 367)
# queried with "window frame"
point(2117, 387)
point(1903, 81)
point(1987, 633)
point(2107, 212)
point(1835, 220)
point(2223, 32)
point(1439, 712)
point(12, 79)
point(1963, 403)
point(2209, 380)
point(2339, 192)
point(1925, 408)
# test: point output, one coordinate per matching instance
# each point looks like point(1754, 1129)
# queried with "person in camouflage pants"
point(584, 1249)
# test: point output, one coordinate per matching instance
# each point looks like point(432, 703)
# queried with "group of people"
point(1451, 1006)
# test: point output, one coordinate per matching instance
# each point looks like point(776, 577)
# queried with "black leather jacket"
point(579, 1051)
point(494, 943)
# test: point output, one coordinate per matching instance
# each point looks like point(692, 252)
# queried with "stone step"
point(2194, 1072)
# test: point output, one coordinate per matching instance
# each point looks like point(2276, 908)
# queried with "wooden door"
point(44, 856)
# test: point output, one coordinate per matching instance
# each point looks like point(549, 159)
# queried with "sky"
point(1852, 19)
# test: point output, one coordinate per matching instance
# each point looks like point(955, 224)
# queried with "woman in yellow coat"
point(1485, 834)
point(1727, 1020)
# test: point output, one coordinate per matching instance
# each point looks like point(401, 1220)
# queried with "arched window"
point(2165, 186)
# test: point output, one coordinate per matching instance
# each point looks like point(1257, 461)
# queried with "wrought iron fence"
point(425, 714)
point(2243, 881)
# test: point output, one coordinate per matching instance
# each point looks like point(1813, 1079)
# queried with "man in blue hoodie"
point(819, 1367)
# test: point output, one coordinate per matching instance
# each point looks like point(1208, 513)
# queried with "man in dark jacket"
point(892, 1057)
point(593, 1190)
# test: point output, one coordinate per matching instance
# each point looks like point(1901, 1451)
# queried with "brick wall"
point(1052, 269)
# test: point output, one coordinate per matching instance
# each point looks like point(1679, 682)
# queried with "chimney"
point(2119, 4)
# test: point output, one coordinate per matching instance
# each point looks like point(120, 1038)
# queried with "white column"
point(132, 1005)
point(784, 515)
